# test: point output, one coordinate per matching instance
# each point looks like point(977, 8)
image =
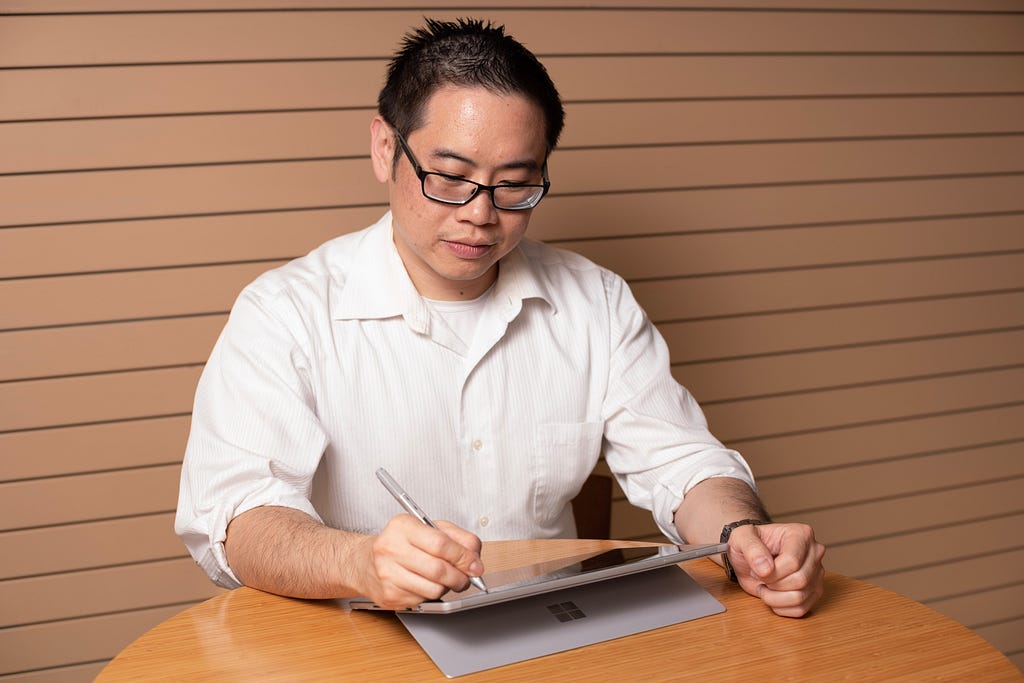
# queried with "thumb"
point(757, 555)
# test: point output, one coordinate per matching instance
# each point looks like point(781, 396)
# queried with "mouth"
point(468, 250)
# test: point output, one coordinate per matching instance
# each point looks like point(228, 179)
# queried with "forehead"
point(476, 117)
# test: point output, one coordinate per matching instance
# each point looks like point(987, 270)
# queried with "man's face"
point(451, 252)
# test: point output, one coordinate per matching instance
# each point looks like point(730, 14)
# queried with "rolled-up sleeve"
point(657, 441)
point(255, 438)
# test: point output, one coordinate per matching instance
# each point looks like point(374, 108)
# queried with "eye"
point(518, 189)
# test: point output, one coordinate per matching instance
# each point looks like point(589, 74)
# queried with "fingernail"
point(762, 566)
point(476, 569)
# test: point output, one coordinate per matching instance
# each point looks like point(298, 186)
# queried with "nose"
point(479, 210)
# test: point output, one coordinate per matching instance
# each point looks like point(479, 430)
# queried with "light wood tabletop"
point(858, 632)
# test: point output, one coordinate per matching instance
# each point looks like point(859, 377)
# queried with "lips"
point(468, 250)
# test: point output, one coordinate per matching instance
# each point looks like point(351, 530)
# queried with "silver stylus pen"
point(413, 509)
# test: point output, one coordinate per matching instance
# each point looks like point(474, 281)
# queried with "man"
point(486, 372)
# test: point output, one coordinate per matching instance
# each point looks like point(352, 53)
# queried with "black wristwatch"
point(724, 538)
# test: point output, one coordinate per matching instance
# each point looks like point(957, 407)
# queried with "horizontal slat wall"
point(821, 204)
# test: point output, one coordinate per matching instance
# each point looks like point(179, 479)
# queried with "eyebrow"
point(444, 153)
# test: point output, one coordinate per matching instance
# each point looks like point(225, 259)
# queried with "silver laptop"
point(538, 625)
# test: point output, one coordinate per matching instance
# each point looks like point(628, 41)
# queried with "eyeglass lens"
point(447, 189)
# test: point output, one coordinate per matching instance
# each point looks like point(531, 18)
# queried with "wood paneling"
point(102, 348)
point(104, 195)
point(257, 136)
point(775, 205)
point(1000, 604)
point(88, 545)
point(925, 548)
point(765, 249)
point(128, 245)
point(51, 93)
point(860, 365)
point(132, 295)
point(103, 495)
point(974, 574)
point(796, 494)
point(821, 204)
point(168, 140)
point(142, 6)
point(98, 398)
point(962, 207)
point(116, 194)
point(126, 295)
point(114, 589)
point(85, 39)
point(707, 367)
point(965, 427)
point(92, 448)
point(830, 408)
point(919, 511)
point(813, 325)
point(695, 121)
point(1007, 636)
point(749, 293)
point(108, 195)
point(61, 674)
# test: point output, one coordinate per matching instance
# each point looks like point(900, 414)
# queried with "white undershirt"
point(462, 316)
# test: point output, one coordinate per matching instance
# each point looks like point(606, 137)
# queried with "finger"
point(795, 548)
point(795, 595)
point(791, 603)
point(450, 563)
point(412, 587)
point(464, 538)
point(402, 588)
point(810, 572)
point(748, 551)
point(468, 563)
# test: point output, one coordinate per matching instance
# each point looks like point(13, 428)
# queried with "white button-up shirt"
point(333, 365)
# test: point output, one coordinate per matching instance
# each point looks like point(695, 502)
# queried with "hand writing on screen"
point(410, 562)
point(780, 564)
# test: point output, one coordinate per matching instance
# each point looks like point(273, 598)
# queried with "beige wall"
point(823, 211)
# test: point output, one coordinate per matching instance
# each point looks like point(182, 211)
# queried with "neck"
point(455, 290)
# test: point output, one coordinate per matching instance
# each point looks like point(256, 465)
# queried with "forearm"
point(285, 551)
point(712, 504)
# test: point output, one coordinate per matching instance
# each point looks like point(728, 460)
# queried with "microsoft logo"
point(566, 611)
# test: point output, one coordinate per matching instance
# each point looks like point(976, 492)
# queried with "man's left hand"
point(781, 564)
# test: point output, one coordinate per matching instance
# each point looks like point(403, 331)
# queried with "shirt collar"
point(378, 286)
point(517, 282)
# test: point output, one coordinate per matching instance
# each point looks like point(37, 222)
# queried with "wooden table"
point(858, 632)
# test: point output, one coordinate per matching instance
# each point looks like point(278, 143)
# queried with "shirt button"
point(484, 521)
point(477, 444)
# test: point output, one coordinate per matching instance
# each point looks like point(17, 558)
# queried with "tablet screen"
point(564, 567)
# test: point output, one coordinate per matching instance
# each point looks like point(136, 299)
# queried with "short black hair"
point(466, 52)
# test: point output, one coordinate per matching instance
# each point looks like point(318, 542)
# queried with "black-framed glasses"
point(449, 189)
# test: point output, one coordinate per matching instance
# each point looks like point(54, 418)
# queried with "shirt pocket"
point(563, 456)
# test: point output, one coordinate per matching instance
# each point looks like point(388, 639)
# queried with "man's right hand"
point(410, 562)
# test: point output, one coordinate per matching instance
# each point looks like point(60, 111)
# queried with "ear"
point(382, 149)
